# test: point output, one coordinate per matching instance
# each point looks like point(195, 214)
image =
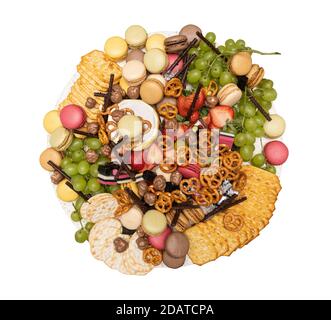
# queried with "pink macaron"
point(226, 139)
point(72, 117)
point(190, 171)
point(158, 242)
point(276, 152)
point(171, 58)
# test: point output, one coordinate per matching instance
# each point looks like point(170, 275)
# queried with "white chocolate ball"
point(276, 127)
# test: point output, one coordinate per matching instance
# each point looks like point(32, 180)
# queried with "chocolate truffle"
point(177, 245)
point(171, 262)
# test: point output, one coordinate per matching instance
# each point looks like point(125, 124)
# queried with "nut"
point(176, 177)
point(150, 198)
point(117, 88)
point(142, 187)
point(90, 103)
point(142, 243)
point(211, 101)
point(159, 183)
point(106, 151)
point(116, 97)
point(141, 232)
point(120, 245)
point(133, 92)
point(91, 156)
point(117, 115)
point(56, 177)
point(93, 128)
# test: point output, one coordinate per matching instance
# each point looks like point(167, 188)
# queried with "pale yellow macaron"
point(136, 37)
point(116, 48)
point(52, 121)
point(155, 41)
point(64, 193)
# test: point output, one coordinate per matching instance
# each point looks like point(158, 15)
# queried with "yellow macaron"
point(64, 193)
point(52, 121)
point(116, 48)
point(155, 41)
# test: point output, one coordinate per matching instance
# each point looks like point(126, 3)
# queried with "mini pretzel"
point(212, 88)
point(168, 111)
point(168, 167)
point(224, 172)
point(122, 209)
point(190, 186)
point(224, 149)
point(122, 197)
point(163, 202)
point(216, 196)
point(233, 175)
point(232, 161)
point(240, 183)
point(103, 136)
point(183, 156)
point(204, 198)
point(211, 178)
point(178, 196)
point(152, 256)
point(174, 88)
point(233, 222)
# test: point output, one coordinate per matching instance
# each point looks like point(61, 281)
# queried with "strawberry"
point(220, 115)
point(194, 117)
point(184, 103)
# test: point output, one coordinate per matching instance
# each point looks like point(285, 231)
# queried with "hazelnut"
point(142, 187)
point(120, 245)
point(176, 177)
point(93, 128)
point(133, 92)
point(90, 103)
point(117, 115)
point(150, 198)
point(211, 101)
point(117, 88)
point(106, 151)
point(56, 177)
point(91, 156)
point(159, 183)
point(142, 243)
point(141, 232)
point(116, 97)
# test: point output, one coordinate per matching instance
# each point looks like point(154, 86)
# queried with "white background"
point(41, 43)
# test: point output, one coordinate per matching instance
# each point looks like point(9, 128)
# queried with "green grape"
point(112, 189)
point(269, 94)
point(225, 78)
point(211, 36)
point(193, 76)
point(231, 130)
point(247, 109)
point(93, 143)
point(81, 236)
point(76, 144)
point(266, 84)
point(94, 170)
point(209, 56)
point(86, 190)
point(78, 182)
point(193, 51)
point(216, 71)
point(102, 161)
point(240, 139)
point(246, 152)
point(259, 132)
point(266, 105)
point(221, 49)
point(78, 204)
point(230, 43)
point(258, 93)
point(201, 64)
point(76, 217)
point(258, 160)
point(259, 119)
point(78, 155)
point(231, 51)
point(83, 167)
point(250, 138)
point(65, 161)
point(93, 185)
point(203, 46)
point(89, 226)
point(71, 169)
point(240, 44)
point(191, 67)
point(234, 79)
point(205, 80)
point(101, 190)
point(250, 124)
point(270, 168)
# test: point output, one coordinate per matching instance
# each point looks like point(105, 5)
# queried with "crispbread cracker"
point(261, 190)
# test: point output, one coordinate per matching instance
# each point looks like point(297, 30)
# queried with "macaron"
point(61, 139)
point(116, 48)
point(175, 44)
point(154, 222)
point(65, 193)
point(177, 245)
point(52, 121)
point(155, 60)
point(276, 153)
point(136, 36)
point(171, 262)
point(171, 59)
point(134, 72)
point(135, 54)
point(255, 76)
point(190, 171)
point(229, 95)
point(158, 242)
point(227, 139)
point(132, 219)
point(155, 41)
point(241, 63)
point(50, 154)
point(72, 116)
point(276, 127)
point(151, 90)
point(190, 31)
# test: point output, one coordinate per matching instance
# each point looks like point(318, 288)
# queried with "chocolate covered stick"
point(208, 43)
point(182, 55)
point(86, 134)
point(186, 66)
point(106, 97)
point(81, 194)
point(176, 217)
point(195, 99)
point(136, 200)
point(257, 105)
point(58, 169)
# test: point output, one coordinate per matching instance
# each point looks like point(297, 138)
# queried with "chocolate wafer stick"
point(186, 66)
point(136, 200)
point(181, 56)
point(81, 194)
point(208, 43)
point(86, 134)
point(257, 105)
point(195, 99)
point(176, 217)
point(58, 169)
